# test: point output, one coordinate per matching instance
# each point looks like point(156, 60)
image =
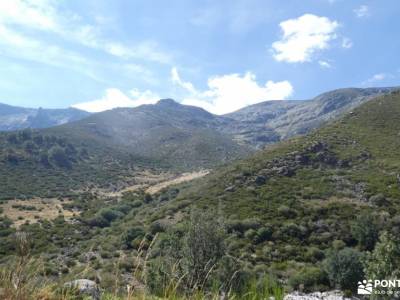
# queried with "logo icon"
point(365, 287)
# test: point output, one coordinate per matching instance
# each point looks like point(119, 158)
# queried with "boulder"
point(85, 287)
point(260, 180)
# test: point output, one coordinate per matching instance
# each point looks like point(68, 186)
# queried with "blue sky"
point(220, 55)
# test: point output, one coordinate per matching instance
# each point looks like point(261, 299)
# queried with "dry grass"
point(181, 178)
point(44, 209)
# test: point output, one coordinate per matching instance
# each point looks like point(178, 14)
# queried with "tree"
point(344, 268)
point(58, 155)
point(384, 261)
point(365, 230)
point(203, 247)
point(131, 235)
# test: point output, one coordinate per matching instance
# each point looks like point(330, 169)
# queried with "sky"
point(219, 55)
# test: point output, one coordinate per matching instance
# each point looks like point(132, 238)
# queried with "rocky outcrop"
point(85, 287)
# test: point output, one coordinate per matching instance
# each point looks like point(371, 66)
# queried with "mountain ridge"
point(17, 118)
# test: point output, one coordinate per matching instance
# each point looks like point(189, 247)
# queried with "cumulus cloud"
point(302, 37)
point(231, 92)
point(116, 98)
point(379, 78)
point(362, 11)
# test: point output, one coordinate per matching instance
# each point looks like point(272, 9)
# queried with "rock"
point(86, 287)
point(331, 295)
point(301, 159)
point(316, 147)
point(378, 199)
point(285, 171)
point(230, 189)
point(260, 180)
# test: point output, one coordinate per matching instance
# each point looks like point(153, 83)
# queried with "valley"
point(128, 210)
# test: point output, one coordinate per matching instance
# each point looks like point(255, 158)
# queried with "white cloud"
point(302, 37)
point(324, 64)
point(347, 43)
point(176, 79)
point(32, 13)
point(43, 15)
point(362, 11)
point(379, 77)
point(231, 92)
point(114, 98)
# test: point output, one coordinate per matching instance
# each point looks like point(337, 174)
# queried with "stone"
point(85, 287)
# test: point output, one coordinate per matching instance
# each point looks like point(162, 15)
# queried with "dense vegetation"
point(35, 163)
point(310, 214)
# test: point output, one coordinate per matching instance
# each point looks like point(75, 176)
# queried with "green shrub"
point(384, 261)
point(344, 268)
point(365, 230)
point(309, 280)
point(132, 234)
point(263, 234)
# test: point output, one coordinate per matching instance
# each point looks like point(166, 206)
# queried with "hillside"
point(109, 149)
point(15, 118)
point(272, 121)
point(167, 136)
point(180, 136)
point(35, 163)
point(289, 211)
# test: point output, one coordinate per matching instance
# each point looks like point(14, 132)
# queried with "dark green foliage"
point(384, 261)
point(344, 268)
point(310, 280)
point(365, 230)
point(36, 163)
point(132, 235)
point(203, 246)
point(59, 157)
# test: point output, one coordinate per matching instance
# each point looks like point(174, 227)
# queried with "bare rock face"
point(85, 287)
point(331, 295)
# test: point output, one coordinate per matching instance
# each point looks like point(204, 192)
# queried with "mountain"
point(304, 213)
point(15, 118)
point(288, 207)
point(109, 149)
point(268, 122)
point(166, 136)
point(180, 136)
point(288, 211)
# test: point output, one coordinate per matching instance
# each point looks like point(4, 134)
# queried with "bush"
point(59, 157)
point(110, 214)
point(309, 280)
point(98, 221)
point(263, 234)
point(131, 235)
point(314, 254)
point(242, 225)
point(384, 261)
point(344, 268)
point(365, 231)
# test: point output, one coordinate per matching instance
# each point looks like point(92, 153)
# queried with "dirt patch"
point(153, 183)
point(181, 178)
point(33, 210)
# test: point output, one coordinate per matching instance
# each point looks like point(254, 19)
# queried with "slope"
point(269, 122)
point(285, 209)
point(14, 118)
point(179, 136)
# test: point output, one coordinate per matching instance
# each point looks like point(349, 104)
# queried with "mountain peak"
point(167, 102)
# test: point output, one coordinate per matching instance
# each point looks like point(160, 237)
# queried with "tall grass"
point(25, 279)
